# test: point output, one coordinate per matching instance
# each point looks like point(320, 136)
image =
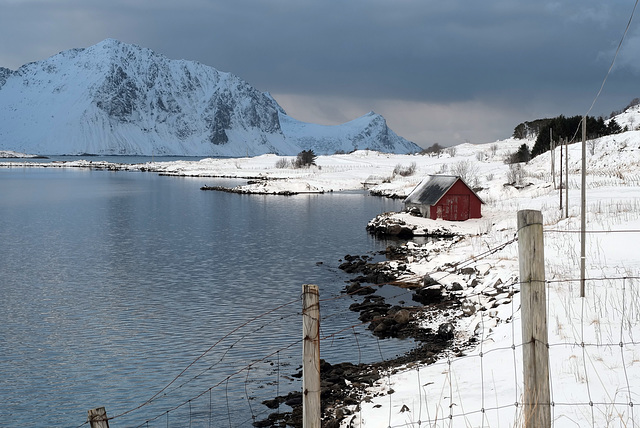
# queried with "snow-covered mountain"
point(121, 99)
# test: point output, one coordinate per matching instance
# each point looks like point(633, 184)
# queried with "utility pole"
point(566, 172)
point(583, 221)
point(561, 148)
point(553, 157)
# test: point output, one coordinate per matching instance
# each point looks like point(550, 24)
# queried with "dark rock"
point(402, 316)
point(272, 404)
point(381, 328)
point(405, 233)
point(357, 288)
point(334, 423)
point(467, 271)
point(446, 331)
point(428, 295)
point(428, 281)
point(394, 229)
point(349, 401)
point(295, 400)
point(456, 286)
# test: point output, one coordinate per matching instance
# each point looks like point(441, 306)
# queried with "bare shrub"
point(404, 171)
point(451, 151)
point(283, 163)
point(466, 170)
point(515, 175)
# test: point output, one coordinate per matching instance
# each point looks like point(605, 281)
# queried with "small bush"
point(451, 151)
point(434, 149)
point(283, 163)
point(515, 175)
point(466, 170)
point(404, 171)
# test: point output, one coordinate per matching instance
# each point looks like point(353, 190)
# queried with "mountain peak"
point(109, 42)
point(118, 98)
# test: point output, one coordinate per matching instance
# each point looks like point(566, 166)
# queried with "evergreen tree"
point(613, 127)
point(305, 158)
point(523, 154)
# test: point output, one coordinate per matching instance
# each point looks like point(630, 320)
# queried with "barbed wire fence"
point(594, 370)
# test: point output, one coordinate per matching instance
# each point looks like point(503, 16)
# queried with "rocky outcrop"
point(4, 75)
point(386, 225)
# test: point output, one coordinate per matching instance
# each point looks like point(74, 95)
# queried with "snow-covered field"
point(594, 359)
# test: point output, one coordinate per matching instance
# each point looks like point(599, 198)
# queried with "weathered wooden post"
point(310, 356)
point(537, 399)
point(98, 418)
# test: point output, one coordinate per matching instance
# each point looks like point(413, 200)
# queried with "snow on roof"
point(431, 189)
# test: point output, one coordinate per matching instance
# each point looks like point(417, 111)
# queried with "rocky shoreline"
point(448, 308)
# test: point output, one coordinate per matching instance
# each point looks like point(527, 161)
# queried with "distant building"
point(444, 197)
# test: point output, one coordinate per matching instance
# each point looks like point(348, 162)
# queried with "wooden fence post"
point(310, 356)
point(537, 401)
point(98, 418)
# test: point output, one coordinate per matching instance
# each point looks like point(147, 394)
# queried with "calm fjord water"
point(112, 283)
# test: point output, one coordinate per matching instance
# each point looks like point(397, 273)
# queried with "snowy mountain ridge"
point(121, 99)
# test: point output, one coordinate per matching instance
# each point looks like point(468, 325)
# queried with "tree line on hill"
point(570, 128)
point(567, 128)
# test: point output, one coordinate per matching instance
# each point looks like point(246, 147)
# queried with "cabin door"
point(455, 207)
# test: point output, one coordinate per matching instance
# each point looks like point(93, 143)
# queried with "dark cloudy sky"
point(441, 72)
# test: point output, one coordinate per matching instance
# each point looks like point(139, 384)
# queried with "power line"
point(614, 58)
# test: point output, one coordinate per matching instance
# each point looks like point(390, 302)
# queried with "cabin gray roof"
point(431, 189)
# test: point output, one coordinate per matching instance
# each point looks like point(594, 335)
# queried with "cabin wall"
point(424, 209)
point(458, 204)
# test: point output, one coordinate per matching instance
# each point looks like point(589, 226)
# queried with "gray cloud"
point(518, 59)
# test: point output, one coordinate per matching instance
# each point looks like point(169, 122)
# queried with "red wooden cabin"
point(445, 197)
